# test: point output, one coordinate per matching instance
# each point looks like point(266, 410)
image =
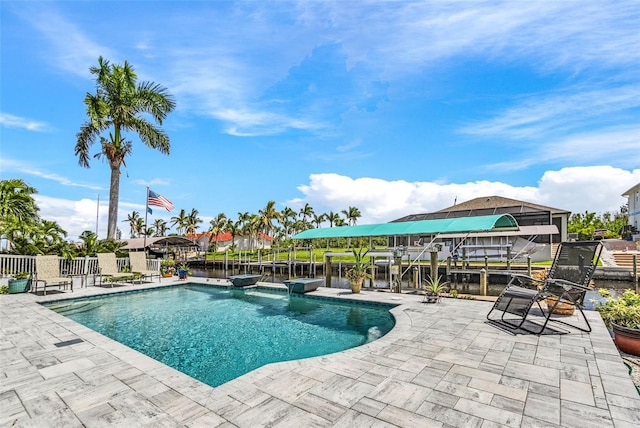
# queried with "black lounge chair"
point(568, 281)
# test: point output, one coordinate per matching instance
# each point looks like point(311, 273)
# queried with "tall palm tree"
point(306, 211)
point(180, 221)
point(121, 104)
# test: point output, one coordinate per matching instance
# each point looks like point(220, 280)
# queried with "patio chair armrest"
point(526, 280)
point(565, 283)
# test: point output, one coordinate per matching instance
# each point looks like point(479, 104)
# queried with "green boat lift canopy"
point(488, 223)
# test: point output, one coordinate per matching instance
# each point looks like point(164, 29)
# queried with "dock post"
point(486, 263)
point(327, 272)
point(483, 282)
point(448, 270)
point(508, 258)
point(529, 265)
point(635, 272)
point(434, 264)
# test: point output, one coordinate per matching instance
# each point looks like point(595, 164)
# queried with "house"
point(633, 196)
point(224, 241)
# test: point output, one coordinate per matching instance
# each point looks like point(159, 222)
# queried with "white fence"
point(12, 264)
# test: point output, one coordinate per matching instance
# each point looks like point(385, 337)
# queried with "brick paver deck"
point(441, 366)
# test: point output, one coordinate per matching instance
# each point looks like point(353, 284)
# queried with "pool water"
point(216, 334)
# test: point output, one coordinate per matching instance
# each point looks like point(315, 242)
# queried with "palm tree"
point(318, 219)
point(267, 215)
point(306, 211)
point(90, 241)
point(16, 200)
point(218, 224)
point(332, 218)
point(233, 227)
point(352, 214)
point(121, 104)
point(192, 222)
point(160, 226)
point(180, 221)
point(132, 219)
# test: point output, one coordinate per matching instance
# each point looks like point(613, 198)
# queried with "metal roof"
point(420, 227)
point(163, 241)
point(549, 229)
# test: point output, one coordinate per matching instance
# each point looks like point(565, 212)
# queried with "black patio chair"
point(568, 281)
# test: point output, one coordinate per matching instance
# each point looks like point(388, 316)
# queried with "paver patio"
point(441, 366)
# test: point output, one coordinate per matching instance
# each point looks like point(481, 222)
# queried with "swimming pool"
point(216, 334)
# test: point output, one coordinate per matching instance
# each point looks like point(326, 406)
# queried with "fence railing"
point(12, 264)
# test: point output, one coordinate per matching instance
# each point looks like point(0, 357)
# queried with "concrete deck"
point(441, 366)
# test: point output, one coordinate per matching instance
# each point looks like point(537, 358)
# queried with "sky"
point(393, 107)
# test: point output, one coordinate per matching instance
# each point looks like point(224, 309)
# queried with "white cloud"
point(11, 121)
point(576, 189)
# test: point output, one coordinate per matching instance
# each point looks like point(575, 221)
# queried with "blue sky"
point(392, 107)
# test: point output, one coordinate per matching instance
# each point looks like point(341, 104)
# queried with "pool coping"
point(389, 381)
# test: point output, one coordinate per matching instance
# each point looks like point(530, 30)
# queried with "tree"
point(318, 219)
point(352, 214)
point(306, 211)
point(192, 222)
point(121, 104)
point(133, 219)
point(217, 225)
point(160, 227)
point(332, 218)
point(16, 201)
point(180, 221)
point(267, 215)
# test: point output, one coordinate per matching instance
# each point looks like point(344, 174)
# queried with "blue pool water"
point(217, 334)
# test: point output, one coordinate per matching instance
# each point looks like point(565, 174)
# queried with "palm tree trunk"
point(114, 191)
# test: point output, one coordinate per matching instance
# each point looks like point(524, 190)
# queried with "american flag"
point(159, 201)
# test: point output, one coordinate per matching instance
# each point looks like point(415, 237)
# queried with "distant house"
point(633, 196)
point(224, 241)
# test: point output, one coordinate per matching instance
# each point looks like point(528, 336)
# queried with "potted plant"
point(359, 271)
point(622, 316)
point(19, 283)
point(434, 287)
point(167, 268)
point(183, 271)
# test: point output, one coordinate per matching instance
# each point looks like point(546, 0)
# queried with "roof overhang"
point(498, 222)
point(163, 241)
point(549, 229)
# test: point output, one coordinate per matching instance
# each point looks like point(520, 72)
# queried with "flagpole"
point(97, 214)
point(146, 213)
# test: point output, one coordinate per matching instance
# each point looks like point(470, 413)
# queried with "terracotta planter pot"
point(356, 286)
point(627, 339)
point(562, 308)
point(167, 275)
